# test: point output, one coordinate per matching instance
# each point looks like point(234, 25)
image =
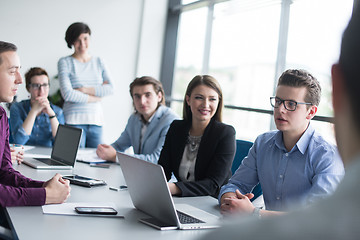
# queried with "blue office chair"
point(242, 150)
point(11, 140)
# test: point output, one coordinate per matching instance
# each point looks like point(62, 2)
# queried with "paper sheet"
point(33, 155)
point(88, 156)
point(69, 209)
point(27, 148)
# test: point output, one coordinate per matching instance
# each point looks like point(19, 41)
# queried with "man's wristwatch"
point(256, 213)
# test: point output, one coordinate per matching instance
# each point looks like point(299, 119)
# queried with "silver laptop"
point(149, 193)
point(64, 150)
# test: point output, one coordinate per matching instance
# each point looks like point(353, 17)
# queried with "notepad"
point(88, 156)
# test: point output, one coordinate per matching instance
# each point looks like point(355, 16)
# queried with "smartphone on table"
point(84, 181)
point(96, 210)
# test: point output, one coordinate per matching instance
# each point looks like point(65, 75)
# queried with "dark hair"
point(35, 71)
point(74, 31)
point(350, 62)
point(145, 80)
point(302, 78)
point(208, 81)
point(5, 47)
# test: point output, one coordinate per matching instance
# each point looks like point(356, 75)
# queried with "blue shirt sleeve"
point(41, 133)
point(16, 121)
point(245, 178)
point(328, 172)
point(124, 141)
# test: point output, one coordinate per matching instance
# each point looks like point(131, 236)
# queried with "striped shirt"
point(75, 74)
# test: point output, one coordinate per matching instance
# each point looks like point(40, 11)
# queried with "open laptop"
point(64, 150)
point(149, 193)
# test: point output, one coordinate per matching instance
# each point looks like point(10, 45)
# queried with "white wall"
point(127, 34)
point(151, 40)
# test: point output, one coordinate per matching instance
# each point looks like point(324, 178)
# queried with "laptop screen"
point(66, 144)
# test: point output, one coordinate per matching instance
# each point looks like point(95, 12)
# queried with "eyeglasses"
point(289, 105)
point(38, 86)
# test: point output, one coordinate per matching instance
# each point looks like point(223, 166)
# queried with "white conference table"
point(31, 223)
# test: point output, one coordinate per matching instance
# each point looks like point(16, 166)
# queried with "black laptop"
point(63, 154)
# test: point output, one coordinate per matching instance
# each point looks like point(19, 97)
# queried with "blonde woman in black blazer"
point(199, 150)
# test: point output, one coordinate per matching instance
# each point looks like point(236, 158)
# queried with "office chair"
point(11, 140)
point(5, 233)
point(242, 150)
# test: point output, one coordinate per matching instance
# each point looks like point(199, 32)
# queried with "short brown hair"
point(302, 78)
point(35, 71)
point(208, 81)
point(6, 47)
point(145, 80)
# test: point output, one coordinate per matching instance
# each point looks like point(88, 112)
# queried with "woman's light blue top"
point(75, 74)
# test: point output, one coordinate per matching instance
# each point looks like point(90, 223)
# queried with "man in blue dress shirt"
point(338, 216)
point(294, 165)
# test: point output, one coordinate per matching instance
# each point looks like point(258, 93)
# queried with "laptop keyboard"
point(49, 161)
point(186, 219)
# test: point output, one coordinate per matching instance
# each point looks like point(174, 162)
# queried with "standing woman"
point(35, 121)
point(199, 149)
point(84, 80)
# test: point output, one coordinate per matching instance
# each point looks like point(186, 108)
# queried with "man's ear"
point(337, 87)
point(312, 111)
point(159, 96)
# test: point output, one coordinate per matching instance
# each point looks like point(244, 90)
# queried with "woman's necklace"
point(194, 142)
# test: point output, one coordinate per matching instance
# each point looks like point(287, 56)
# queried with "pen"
point(100, 165)
point(114, 188)
point(122, 187)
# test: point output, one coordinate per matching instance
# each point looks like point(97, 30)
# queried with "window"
point(315, 32)
point(243, 58)
point(237, 42)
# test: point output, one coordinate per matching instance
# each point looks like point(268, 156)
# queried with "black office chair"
point(242, 150)
point(5, 232)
